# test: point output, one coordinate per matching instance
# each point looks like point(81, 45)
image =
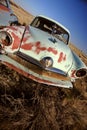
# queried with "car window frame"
point(33, 23)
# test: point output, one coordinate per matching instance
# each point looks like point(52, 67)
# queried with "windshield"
point(4, 2)
point(51, 28)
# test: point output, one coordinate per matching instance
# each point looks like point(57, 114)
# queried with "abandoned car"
point(40, 52)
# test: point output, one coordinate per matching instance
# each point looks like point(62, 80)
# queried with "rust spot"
point(37, 44)
point(73, 73)
point(4, 8)
point(25, 39)
point(16, 41)
point(39, 48)
point(13, 28)
point(50, 49)
point(27, 46)
point(62, 57)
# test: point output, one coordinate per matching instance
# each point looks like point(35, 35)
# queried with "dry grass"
point(27, 105)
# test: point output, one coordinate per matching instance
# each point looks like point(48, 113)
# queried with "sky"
point(70, 13)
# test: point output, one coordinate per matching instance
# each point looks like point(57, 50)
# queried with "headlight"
point(47, 62)
point(81, 73)
point(5, 38)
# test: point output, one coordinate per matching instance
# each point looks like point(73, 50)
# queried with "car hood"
point(46, 45)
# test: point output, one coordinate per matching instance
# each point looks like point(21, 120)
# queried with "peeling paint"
point(73, 73)
point(62, 57)
point(16, 41)
point(4, 8)
point(38, 48)
point(27, 46)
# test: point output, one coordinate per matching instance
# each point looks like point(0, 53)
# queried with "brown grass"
point(27, 105)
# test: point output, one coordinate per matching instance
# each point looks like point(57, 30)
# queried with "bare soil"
point(28, 105)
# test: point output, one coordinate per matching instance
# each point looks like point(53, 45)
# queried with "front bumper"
point(34, 72)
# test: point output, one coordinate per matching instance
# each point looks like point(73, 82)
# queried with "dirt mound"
point(27, 105)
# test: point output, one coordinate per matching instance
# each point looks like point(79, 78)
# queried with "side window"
point(35, 23)
point(4, 2)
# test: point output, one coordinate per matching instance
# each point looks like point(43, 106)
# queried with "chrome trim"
point(43, 62)
point(34, 61)
point(28, 58)
point(56, 71)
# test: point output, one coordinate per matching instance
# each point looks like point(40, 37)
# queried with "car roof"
point(55, 22)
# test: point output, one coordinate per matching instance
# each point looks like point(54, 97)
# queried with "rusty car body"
point(40, 52)
point(7, 17)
